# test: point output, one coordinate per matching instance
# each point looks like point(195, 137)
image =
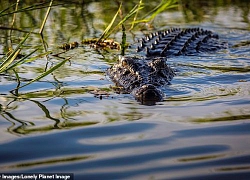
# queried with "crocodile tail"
point(174, 42)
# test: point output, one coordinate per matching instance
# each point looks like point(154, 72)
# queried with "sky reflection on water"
point(200, 130)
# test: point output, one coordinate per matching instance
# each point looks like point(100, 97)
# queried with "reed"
point(109, 30)
point(10, 62)
point(35, 6)
point(150, 16)
point(10, 57)
point(46, 17)
point(52, 69)
point(164, 5)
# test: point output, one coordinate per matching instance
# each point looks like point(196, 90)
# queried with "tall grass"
point(150, 16)
point(34, 6)
point(9, 63)
point(8, 59)
point(134, 12)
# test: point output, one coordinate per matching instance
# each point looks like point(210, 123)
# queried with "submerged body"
point(144, 76)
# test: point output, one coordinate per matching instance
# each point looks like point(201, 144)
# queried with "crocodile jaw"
point(147, 94)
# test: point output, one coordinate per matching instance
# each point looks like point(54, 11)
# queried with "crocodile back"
point(174, 42)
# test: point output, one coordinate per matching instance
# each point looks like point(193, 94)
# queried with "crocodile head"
point(147, 94)
point(142, 77)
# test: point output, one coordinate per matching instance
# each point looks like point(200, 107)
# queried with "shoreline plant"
point(9, 62)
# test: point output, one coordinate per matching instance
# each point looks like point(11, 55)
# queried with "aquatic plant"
point(149, 17)
point(11, 60)
point(164, 4)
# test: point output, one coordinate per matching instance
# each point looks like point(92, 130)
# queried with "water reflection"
point(198, 11)
point(199, 131)
point(70, 87)
point(68, 112)
point(52, 161)
point(19, 126)
point(140, 149)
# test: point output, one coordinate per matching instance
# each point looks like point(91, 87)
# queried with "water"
point(136, 150)
point(200, 131)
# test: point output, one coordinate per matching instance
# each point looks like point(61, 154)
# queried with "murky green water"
point(200, 131)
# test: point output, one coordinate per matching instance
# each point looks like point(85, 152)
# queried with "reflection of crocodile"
point(143, 76)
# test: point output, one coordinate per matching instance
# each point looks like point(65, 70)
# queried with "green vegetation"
point(165, 4)
point(19, 56)
point(11, 60)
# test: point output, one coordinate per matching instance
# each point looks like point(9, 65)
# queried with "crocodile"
point(144, 75)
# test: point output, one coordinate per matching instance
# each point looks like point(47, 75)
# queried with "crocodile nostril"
point(148, 94)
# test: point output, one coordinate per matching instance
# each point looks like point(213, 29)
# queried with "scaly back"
point(178, 41)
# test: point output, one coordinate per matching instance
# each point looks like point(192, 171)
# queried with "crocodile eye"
point(159, 63)
point(124, 62)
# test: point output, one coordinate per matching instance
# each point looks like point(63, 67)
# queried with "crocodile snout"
point(148, 94)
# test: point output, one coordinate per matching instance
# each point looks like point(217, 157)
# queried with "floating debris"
point(108, 43)
point(100, 93)
point(242, 80)
point(68, 46)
